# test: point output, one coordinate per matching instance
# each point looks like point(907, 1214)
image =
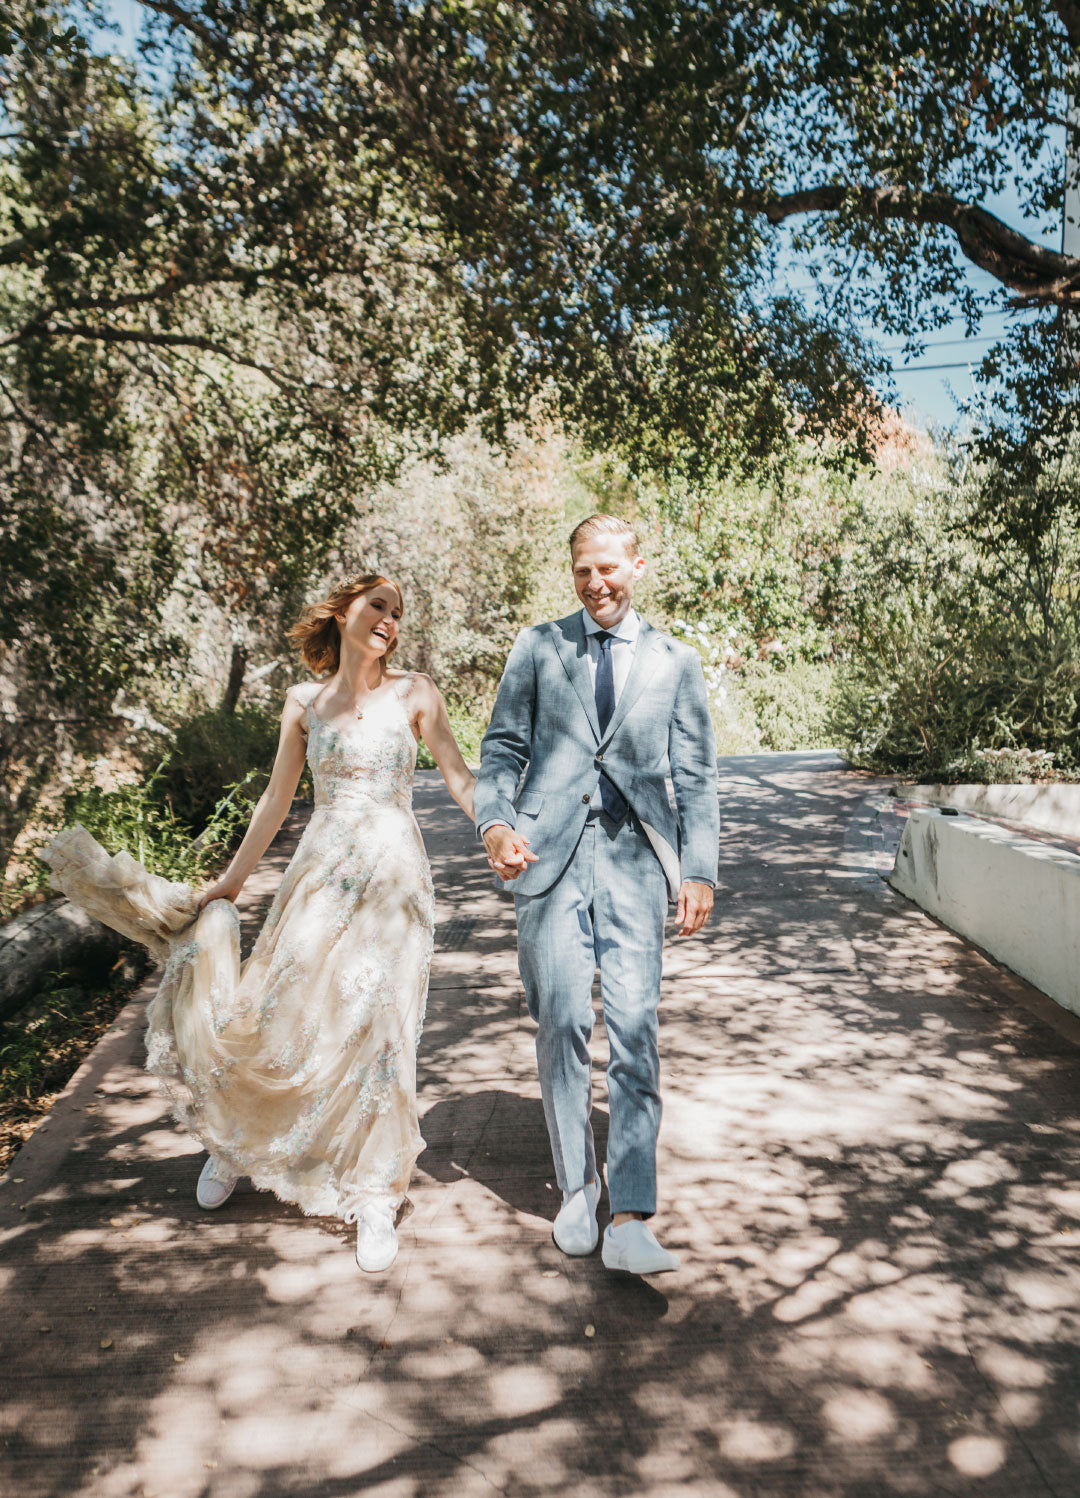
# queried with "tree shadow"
point(499, 1139)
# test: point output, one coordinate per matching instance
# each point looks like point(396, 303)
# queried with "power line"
point(929, 368)
point(942, 342)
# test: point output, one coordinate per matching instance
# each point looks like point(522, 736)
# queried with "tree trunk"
point(237, 667)
point(50, 938)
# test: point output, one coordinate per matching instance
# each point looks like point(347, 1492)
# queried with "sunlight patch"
point(977, 1456)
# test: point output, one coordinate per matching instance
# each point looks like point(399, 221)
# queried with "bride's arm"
point(429, 711)
point(271, 807)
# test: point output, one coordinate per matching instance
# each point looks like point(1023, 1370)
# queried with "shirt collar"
point(628, 627)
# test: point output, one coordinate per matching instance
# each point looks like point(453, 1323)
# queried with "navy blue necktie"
point(611, 800)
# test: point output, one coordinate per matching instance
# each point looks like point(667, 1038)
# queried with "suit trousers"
point(607, 910)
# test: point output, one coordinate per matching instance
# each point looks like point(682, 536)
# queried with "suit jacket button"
point(599, 757)
point(585, 798)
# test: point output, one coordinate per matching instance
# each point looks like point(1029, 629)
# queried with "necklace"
point(358, 708)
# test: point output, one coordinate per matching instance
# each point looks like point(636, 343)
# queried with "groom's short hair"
point(605, 525)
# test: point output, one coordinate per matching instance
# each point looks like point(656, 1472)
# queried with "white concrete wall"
point(1016, 898)
point(1051, 808)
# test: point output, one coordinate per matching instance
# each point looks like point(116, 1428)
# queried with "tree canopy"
point(294, 242)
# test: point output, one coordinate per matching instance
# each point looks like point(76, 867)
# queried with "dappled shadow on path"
point(870, 1163)
point(499, 1140)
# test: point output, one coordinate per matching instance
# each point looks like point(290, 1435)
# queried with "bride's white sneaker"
point(215, 1185)
point(376, 1239)
point(575, 1230)
point(632, 1248)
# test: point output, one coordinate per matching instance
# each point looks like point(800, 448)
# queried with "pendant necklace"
point(359, 710)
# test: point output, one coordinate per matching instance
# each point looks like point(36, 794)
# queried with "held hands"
point(225, 889)
point(694, 907)
point(508, 852)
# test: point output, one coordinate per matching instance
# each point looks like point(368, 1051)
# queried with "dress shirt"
point(623, 645)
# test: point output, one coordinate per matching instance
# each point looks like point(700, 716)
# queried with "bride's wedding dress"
point(298, 1068)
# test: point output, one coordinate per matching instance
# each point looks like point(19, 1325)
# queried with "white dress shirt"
point(623, 645)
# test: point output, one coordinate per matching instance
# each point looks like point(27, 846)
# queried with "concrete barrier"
point(1051, 808)
point(1016, 898)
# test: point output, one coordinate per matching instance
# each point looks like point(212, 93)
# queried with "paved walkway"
point(870, 1162)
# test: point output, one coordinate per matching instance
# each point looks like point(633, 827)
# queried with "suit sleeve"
point(507, 746)
point(692, 756)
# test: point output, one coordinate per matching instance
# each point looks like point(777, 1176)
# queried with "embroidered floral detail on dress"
point(298, 1070)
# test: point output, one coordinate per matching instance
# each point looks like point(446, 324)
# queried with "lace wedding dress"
point(297, 1069)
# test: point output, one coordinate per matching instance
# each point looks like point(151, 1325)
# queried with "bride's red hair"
point(316, 634)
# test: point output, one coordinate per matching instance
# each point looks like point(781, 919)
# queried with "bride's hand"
point(225, 889)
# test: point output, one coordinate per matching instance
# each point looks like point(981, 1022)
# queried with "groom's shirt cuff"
point(495, 822)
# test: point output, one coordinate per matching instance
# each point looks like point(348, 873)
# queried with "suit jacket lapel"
point(646, 659)
point(570, 643)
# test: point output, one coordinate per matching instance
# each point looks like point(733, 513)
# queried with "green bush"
point(141, 821)
point(212, 751)
point(182, 820)
point(790, 702)
point(960, 669)
point(962, 705)
point(469, 727)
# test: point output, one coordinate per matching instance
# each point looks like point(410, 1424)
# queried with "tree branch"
point(164, 288)
point(27, 420)
point(1069, 15)
point(186, 21)
point(149, 338)
point(1022, 264)
point(14, 249)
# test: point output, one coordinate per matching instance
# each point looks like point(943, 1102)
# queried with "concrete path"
point(870, 1162)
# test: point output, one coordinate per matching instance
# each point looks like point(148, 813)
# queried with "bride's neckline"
point(371, 702)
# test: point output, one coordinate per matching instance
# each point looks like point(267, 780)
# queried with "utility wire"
point(928, 368)
point(942, 343)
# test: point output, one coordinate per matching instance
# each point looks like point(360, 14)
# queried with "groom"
point(594, 712)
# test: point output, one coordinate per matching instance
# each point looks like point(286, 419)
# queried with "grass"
point(43, 1045)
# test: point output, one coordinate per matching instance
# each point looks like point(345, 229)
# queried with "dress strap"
point(305, 692)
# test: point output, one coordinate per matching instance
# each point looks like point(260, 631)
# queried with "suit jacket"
point(543, 751)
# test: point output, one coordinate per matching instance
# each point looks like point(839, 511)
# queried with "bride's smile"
point(371, 622)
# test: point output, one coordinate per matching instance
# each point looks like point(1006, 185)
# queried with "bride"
point(299, 1068)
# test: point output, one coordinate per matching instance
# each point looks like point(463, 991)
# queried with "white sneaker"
point(376, 1239)
point(632, 1248)
point(215, 1185)
point(575, 1230)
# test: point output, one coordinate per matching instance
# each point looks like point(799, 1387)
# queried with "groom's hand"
point(694, 907)
point(508, 851)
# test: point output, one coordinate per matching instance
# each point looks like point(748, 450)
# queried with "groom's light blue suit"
point(597, 895)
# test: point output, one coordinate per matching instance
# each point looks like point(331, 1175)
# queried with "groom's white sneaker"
point(215, 1186)
point(632, 1248)
point(575, 1230)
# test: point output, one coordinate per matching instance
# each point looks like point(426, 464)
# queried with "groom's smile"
point(604, 576)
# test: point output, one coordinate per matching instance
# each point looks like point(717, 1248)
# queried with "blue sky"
point(928, 393)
